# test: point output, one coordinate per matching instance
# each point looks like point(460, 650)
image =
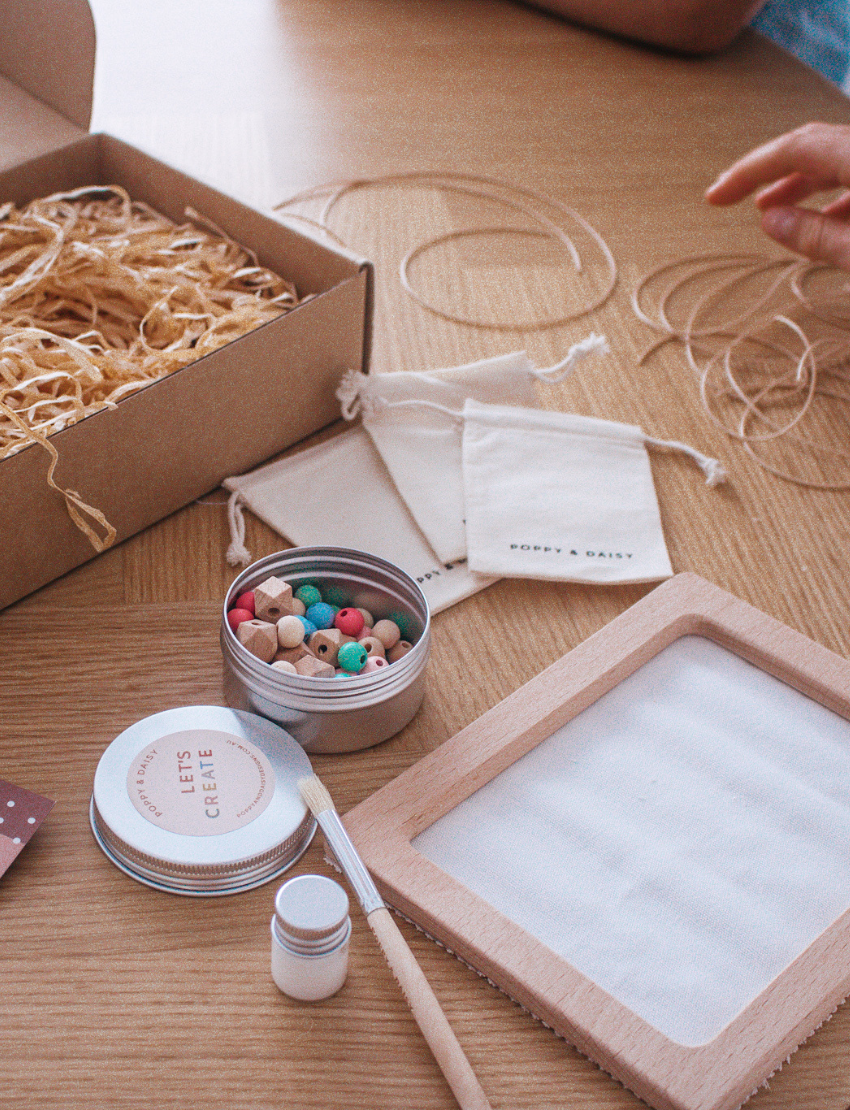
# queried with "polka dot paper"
point(21, 812)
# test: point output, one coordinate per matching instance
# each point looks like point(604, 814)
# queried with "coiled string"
point(550, 218)
point(768, 348)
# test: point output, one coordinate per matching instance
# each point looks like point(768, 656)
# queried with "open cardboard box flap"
point(175, 439)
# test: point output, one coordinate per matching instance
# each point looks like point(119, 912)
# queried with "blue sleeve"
point(816, 31)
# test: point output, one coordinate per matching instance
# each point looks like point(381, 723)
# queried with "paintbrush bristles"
point(315, 794)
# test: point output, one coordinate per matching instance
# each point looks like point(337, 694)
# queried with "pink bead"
point(349, 621)
point(374, 663)
point(236, 616)
point(245, 601)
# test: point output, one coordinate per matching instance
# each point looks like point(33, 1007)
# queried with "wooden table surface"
point(114, 995)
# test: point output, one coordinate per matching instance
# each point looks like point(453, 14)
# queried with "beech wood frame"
point(718, 1075)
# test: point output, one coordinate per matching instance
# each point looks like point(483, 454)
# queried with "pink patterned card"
point(21, 812)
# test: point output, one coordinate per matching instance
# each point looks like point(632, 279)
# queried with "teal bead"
point(321, 614)
point(352, 657)
point(309, 627)
point(309, 595)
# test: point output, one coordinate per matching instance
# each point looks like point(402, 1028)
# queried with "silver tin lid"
point(202, 800)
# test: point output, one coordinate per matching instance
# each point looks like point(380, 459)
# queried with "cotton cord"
point(237, 553)
point(713, 470)
point(586, 348)
point(522, 200)
point(770, 352)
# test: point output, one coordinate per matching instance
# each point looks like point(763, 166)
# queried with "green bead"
point(352, 657)
point(336, 596)
point(309, 595)
point(404, 623)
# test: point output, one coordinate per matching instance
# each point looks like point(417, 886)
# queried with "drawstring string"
point(711, 468)
point(237, 552)
point(593, 345)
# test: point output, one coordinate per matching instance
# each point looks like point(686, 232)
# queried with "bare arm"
point(691, 26)
point(789, 169)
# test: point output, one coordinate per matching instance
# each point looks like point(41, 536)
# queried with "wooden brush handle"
point(429, 1016)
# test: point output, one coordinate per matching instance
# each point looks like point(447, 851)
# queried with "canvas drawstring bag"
point(414, 422)
point(560, 496)
point(339, 494)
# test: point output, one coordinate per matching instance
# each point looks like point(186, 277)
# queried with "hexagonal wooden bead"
point(374, 647)
point(314, 668)
point(272, 599)
point(292, 655)
point(258, 637)
point(325, 644)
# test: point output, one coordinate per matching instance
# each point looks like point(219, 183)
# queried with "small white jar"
point(310, 934)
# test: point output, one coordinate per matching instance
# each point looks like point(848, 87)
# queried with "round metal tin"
point(202, 800)
point(340, 714)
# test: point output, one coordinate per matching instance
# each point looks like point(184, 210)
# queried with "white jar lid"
point(202, 800)
point(311, 907)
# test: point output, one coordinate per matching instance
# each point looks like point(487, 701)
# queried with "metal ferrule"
point(350, 863)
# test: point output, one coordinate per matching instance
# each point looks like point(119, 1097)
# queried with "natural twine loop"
point(766, 348)
point(518, 199)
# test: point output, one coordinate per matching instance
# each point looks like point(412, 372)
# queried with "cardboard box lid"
point(47, 56)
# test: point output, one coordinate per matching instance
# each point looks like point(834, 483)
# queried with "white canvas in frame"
point(647, 846)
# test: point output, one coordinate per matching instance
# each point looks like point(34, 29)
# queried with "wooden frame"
point(718, 1075)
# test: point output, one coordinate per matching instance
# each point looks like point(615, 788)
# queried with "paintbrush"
point(415, 987)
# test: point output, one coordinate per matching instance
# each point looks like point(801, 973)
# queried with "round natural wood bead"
point(368, 619)
point(398, 651)
point(387, 632)
point(290, 631)
point(258, 637)
point(283, 665)
point(374, 647)
point(272, 599)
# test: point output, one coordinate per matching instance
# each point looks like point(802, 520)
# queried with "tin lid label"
point(200, 782)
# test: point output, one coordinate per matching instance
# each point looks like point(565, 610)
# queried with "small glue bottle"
point(310, 933)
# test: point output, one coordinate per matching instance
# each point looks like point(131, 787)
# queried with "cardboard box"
point(178, 437)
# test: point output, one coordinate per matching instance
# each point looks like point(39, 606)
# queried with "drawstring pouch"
point(414, 420)
point(551, 495)
point(338, 494)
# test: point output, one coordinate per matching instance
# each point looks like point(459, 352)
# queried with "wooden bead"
point(326, 642)
point(349, 621)
point(368, 619)
point(387, 632)
point(312, 667)
point(352, 657)
point(309, 595)
point(292, 655)
point(374, 663)
point(290, 631)
point(258, 637)
point(298, 607)
point(284, 665)
point(246, 601)
point(374, 647)
point(236, 616)
point(321, 614)
point(272, 599)
point(398, 651)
